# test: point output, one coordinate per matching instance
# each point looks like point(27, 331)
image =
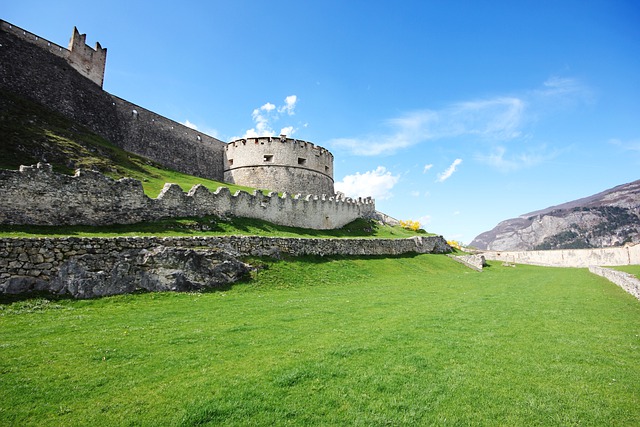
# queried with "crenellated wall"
point(36, 195)
point(291, 165)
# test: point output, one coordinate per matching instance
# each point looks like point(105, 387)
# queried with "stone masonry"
point(89, 267)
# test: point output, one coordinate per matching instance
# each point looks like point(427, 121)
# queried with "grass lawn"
point(379, 341)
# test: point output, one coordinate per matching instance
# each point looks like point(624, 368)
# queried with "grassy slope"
point(31, 133)
point(382, 341)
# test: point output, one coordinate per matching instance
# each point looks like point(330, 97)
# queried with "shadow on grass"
point(192, 226)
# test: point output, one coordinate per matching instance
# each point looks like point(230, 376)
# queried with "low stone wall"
point(38, 196)
point(86, 264)
point(626, 281)
point(475, 262)
point(581, 258)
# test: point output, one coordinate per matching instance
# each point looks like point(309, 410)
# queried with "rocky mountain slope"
point(609, 218)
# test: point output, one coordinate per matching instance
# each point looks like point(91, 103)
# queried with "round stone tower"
point(279, 164)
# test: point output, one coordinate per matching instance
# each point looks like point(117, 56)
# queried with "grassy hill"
point(340, 341)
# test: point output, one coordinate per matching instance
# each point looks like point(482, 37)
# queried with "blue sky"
point(458, 114)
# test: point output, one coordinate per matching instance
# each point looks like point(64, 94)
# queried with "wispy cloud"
point(442, 177)
point(499, 159)
point(427, 168)
point(265, 116)
point(630, 145)
point(377, 183)
point(498, 119)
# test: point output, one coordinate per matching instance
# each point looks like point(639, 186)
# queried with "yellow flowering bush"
point(454, 244)
point(410, 225)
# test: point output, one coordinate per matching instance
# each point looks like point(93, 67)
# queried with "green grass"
point(631, 269)
point(210, 226)
point(378, 341)
point(31, 133)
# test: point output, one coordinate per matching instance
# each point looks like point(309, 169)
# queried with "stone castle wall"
point(37, 195)
point(88, 61)
point(90, 267)
point(291, 165)
point(581, 258)
point(41, 71)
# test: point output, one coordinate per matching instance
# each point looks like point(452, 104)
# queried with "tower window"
point(302, 161)
point(268, 158)
point(230, 162)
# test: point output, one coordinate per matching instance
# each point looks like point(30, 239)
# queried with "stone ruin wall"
point(92, 267)
point(36, 195)
point(626, 281)
point(291, 165)
point(41, 71)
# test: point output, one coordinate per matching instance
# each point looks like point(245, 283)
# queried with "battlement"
point(294, 165)
point(88, 61)
point(38, 196)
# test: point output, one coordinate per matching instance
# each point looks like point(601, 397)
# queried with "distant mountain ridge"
point(609, 218)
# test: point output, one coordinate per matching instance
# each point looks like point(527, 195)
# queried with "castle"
point(39, 69)
point(69, 81)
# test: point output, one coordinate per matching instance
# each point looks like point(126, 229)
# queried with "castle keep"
point(290, 163)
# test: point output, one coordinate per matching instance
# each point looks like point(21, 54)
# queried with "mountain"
point(609, 218)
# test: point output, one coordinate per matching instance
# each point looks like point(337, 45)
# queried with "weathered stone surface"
point(158, 269)
point(476, 262)
point(23, 284)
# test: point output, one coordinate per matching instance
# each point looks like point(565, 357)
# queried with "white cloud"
point(415, 193)
point(377, 183)
point(427, 168)
point(289, 130)
point(267, 114)
point(442, 177)
point(289, 105)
